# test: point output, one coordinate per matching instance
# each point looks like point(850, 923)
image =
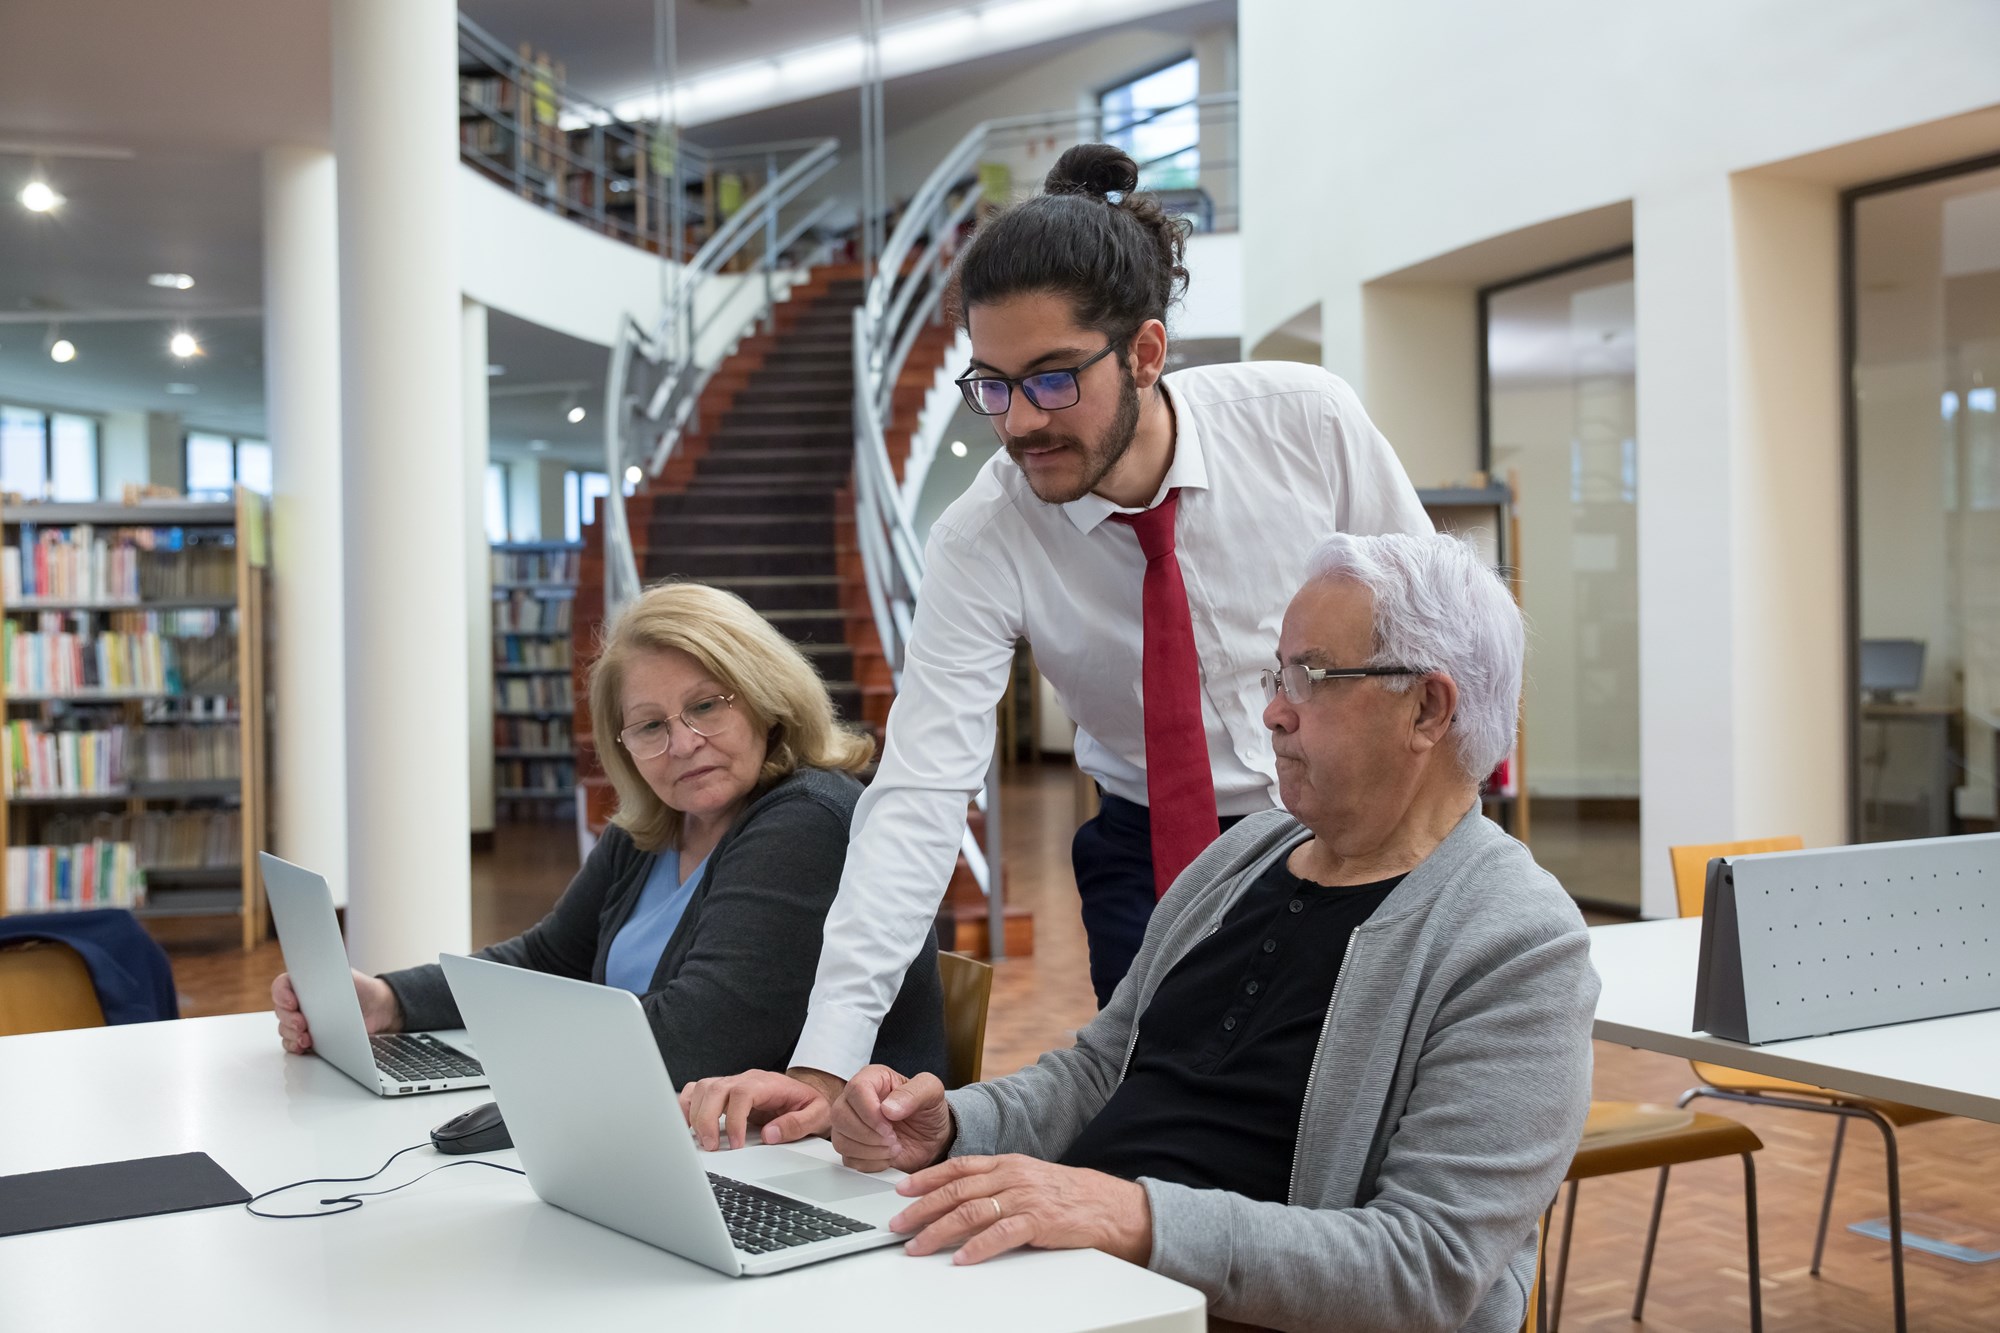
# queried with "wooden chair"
point(1637, 1136)
point(1736, 1085)
point(44, 987)
point(968, 990)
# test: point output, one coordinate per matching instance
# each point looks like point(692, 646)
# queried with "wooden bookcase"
point(217, 886)
point(534, 752)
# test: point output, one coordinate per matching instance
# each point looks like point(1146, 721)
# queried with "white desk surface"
point(1648, 972)
point(469, 1248)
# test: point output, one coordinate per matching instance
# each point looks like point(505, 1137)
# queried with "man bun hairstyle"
point(1120, 261)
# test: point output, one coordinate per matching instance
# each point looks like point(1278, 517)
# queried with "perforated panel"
point(1854, 937)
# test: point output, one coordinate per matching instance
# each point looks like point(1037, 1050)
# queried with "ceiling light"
point(179, 282)
point(576, 414)
point(633, 476)
point(958, 448)
point(539, 446)
point(183, 345)
point(182, 389)
point(62, 351)
point(38, 197)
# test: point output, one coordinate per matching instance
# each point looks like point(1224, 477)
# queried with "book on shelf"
point(140, 652)
point(523, 612)
point(58, 878)
point(72, 762)
point(82, 563)
point(557, 568)
point(542, 694)
point(555, 776)
point(531, 733)
point(163, 839)
point(550, 654)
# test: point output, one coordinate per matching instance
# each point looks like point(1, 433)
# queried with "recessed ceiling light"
point(576, 414)
point(633, 476)
point(958, 448)
point(62, 351)
point(539, 446)
point(493, 369)
point(182, 389)
point(38, 197)
point(179, 282)
point(183, 345)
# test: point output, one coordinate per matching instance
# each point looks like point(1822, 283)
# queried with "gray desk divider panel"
point(1801, 944)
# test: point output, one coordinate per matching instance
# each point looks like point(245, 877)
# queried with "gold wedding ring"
point(997, 1213)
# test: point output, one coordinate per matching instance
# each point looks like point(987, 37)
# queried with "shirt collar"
point(1188, 471)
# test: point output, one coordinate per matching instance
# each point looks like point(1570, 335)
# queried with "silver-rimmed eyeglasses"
point(1298, 679)
point(649, 739)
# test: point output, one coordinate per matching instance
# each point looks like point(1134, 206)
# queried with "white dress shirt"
point(1270, 458)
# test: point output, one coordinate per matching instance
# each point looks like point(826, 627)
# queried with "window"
point(217, 464)
point(581, 491)
point(496, 503)
point(1153, 119)
point(48, 456)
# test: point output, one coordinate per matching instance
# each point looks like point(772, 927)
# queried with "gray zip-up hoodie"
point(1445, 1101)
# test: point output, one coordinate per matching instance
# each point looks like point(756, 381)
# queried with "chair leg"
point(1652, 1236)
point(1542, 1271)
point(1562, 1257)
point(1750, 1234)
point(1826, 1204)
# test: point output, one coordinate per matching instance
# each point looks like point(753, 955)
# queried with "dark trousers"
point(1113, 859)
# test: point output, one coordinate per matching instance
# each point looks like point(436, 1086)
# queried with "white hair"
point(1440, 607)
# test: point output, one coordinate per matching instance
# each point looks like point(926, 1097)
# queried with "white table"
point(1648, 972)
point(469, 1248)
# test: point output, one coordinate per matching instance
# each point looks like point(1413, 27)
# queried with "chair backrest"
point(1691, 864)
point(968, 989)
point(44, 987)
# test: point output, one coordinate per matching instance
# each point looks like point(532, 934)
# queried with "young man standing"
point(1143, 533)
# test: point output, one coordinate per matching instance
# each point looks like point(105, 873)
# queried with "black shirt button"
point(1229, 1024)
point(1298, 906)
point(1270, 946)
point(1250, 989)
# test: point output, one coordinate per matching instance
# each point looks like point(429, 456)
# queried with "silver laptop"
point(591, 1108)
point(392, 1064)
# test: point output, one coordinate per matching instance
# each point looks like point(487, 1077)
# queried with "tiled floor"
point(1951, 1168)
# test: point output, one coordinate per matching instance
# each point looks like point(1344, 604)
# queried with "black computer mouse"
point(479, 1130)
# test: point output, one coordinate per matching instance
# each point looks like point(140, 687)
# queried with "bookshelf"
point(534, 754)
point(132, 681)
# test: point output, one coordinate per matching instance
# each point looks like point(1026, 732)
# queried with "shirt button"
point(1298, 906)
point(1270, 946)
point(1229, 1024)
point(1250, 989)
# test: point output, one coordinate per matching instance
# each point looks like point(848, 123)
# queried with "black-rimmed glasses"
point(649, 739)
point(1298, 679)
point(1048, 390)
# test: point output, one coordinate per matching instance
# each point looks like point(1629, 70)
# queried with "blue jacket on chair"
point(134, 980)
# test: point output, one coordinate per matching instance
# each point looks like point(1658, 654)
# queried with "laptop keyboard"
point(761, 1222)
point(418, 1057)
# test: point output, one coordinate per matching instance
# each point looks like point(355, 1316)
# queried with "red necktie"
point(1180, 789)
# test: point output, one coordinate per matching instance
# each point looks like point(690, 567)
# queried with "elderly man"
point(1352, 1060)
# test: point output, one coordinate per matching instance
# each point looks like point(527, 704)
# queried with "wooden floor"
point(1950, 1168)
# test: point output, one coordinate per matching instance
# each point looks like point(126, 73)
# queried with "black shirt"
point(1217, 1078)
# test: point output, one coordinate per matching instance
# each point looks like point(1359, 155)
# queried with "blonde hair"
point(775, 686)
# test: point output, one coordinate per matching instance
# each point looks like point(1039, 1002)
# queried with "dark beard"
point(1098, 459)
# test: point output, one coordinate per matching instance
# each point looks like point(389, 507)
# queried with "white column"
point(308, 800)
point(1741, 620)
point(395, 134)
point(478, 570)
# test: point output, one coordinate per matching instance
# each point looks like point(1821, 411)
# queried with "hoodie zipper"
point(1312, 1075)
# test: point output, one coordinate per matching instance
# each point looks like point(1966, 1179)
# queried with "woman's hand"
point(989, 1205)
point(379, 1010)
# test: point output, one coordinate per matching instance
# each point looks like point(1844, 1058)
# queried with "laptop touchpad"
point(828, 1184)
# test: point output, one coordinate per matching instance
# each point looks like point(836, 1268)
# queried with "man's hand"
point(786, 1107)
point(886, 1120)
point(989, 1205)
point(379, 1010)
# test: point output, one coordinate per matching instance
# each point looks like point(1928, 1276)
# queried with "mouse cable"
point(349, 1202)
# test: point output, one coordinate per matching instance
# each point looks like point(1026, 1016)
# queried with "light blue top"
point(635, 951)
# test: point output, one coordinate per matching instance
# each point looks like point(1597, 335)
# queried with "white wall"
point(1474, 144)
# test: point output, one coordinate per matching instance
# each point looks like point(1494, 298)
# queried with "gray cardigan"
point(1444, 1104)
point(731, 988)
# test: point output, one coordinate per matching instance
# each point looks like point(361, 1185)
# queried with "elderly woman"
point(706, 895)
point(1351, 1063)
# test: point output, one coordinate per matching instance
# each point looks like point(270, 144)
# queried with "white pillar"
point(478, 570)
point(302, 408)
point(1741, 574)
point(395, 135)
